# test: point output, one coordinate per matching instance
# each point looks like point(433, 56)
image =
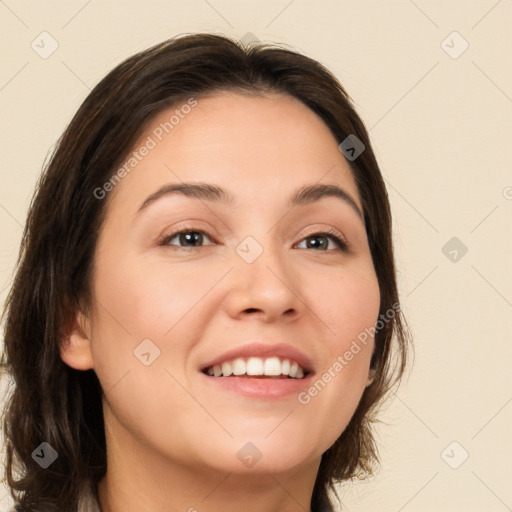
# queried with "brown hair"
point(54, 403)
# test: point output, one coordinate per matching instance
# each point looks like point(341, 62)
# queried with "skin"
point(172, 441)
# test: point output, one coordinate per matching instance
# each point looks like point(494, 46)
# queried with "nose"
point(266, 289)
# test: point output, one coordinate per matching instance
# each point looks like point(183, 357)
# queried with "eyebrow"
point(209, 192)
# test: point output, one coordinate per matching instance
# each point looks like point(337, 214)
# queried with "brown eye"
point(321, 241)
point(186, 238)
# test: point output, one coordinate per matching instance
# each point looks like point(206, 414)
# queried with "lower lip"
point(262, 387)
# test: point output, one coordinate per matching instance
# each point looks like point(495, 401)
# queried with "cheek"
point(348, 308)
point(346, 305)
point(141, 300)
point(138, 302)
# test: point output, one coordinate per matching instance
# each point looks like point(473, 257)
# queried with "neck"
point(138, 478)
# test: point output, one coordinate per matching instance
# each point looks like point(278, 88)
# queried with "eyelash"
point(341, 243)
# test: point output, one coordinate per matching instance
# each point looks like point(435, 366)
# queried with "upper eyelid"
point(327, 231)
point(186, 230)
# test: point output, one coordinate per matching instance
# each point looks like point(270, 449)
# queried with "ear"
point(371, 376)
point(75, 348)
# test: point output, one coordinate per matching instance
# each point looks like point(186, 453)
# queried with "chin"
point(257, 454)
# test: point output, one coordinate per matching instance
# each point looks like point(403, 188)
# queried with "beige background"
point(441, 128)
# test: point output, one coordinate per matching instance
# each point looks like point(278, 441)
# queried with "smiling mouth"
point(258, 367)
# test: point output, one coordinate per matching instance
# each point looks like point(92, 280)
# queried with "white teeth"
point(293, 370)
point(285, 367)
point(254, 366)
point(227, 370)
point(239, 367)
point(271, 367)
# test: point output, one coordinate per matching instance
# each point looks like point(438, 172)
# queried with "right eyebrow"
point(205, 191)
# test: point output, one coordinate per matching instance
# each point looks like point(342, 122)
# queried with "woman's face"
point(251, 276)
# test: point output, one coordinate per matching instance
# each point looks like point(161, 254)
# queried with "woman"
point(205, 312)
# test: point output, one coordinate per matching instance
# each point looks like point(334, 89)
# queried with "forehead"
point(256, 146)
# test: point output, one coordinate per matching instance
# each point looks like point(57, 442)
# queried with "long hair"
point(51, 402)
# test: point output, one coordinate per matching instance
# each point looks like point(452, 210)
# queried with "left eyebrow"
point(210, 192)
point(311, 193)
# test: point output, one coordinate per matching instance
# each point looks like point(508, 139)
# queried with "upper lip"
point(259, 349)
